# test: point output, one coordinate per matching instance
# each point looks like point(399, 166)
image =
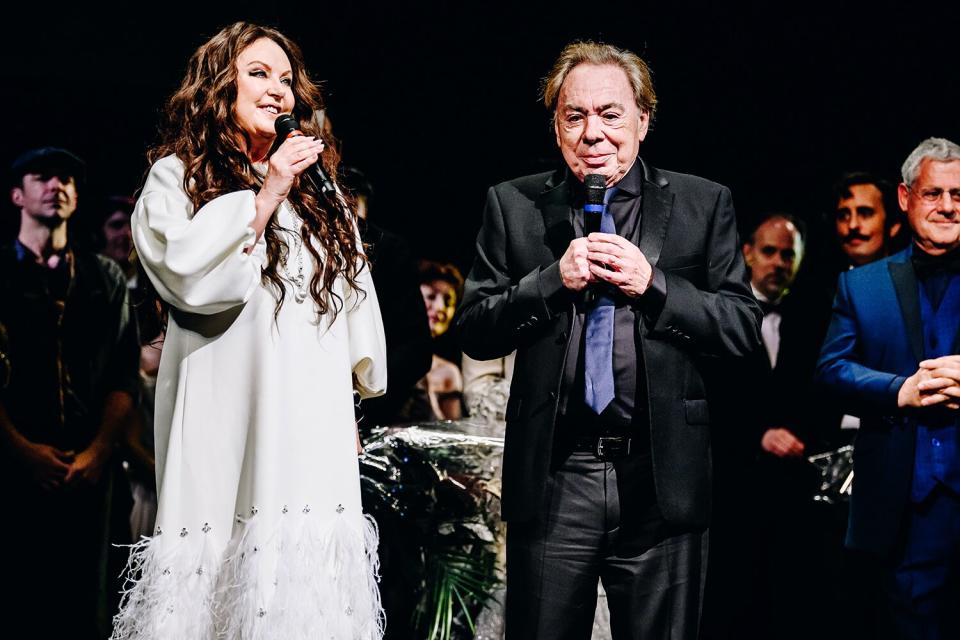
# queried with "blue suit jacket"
point(874, 343)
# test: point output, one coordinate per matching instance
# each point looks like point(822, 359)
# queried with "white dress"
point(260, 532)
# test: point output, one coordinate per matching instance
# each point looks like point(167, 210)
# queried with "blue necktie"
point(598, 359)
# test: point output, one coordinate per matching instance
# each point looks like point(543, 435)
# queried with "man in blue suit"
point(891, 355)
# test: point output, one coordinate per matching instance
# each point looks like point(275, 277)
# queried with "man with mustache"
point(866, 218)
point(867, 222)
point(801, 563)
point(891, 356)
point(73, 355)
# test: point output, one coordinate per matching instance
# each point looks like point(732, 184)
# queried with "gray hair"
point(589, 52)
point(936, 149)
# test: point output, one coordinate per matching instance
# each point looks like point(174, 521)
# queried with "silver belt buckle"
point(601, 452)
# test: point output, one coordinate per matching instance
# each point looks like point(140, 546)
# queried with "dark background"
point(437, 101)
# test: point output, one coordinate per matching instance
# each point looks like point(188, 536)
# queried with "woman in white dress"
point(273, 322)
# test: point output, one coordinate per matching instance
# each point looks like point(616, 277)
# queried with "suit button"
point(935, 442)
point(553, 395)
point(533, 319)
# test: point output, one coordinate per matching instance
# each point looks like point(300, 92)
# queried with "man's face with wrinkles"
point(598, 124)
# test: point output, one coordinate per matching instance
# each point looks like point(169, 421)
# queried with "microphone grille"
point(285, 124)
point(596, 186)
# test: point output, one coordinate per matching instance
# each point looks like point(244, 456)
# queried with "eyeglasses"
point(934, 194)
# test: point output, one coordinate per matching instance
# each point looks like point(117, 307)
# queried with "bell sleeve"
point(368, 352)
point(196, 260)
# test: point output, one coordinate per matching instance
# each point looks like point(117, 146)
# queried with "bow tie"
point(768, 307)
point(926, 265)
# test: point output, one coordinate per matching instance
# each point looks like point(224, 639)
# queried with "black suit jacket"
point(514, 300)
point(750, 397)
point(784, 395)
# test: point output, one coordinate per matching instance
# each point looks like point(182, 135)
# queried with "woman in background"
point(442, 287)
point(273, 322)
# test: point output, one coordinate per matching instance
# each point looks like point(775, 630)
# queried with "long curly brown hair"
point(200, 126)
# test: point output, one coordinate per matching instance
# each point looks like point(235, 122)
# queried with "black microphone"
point(287, 126)
point(596, 187)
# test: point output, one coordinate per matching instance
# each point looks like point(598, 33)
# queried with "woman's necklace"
point(298, 281)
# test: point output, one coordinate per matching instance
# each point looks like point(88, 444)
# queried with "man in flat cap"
point(73, 354)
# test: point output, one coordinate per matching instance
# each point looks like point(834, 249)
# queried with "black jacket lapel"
point(956, 337)
point(905, 284)
point(554, 203)
point(656, 206)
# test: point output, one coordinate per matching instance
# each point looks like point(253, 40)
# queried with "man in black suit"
point(790, 557)
point(606, 472)
point(773, 253)
point(758, 452)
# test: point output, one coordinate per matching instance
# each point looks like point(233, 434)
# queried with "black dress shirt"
point(627, 413)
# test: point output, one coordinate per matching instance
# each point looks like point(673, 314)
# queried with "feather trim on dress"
point(325, 574)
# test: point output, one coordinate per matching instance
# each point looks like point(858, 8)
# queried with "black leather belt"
point(603, 447)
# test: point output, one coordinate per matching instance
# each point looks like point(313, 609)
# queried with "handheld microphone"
point(287, 126)
point(596, 187)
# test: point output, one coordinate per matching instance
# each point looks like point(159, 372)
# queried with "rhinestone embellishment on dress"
point(298, 279)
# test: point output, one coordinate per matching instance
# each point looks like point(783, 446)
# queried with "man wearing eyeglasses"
point(891, 356)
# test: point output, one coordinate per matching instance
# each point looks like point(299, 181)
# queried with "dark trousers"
point(923, 583)
point(803, 584)
point(602, 524)
point(55, 561)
